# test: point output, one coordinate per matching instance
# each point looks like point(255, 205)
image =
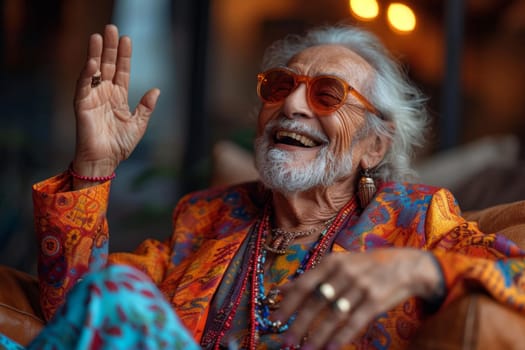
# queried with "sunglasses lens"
point(327, 94)
point(276, 86)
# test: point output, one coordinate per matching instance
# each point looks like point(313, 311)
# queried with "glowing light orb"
point(401, 17)
point(364, 9)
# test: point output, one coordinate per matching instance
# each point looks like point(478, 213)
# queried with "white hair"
point(399, 101)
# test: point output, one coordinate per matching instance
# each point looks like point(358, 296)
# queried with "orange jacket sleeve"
point(72, 234)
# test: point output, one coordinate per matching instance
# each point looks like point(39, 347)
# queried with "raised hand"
point(107, 130)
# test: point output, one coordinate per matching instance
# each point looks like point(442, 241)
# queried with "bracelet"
point(90, 178)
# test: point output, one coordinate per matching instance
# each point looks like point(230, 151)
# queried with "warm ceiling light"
point(364, 9)
point(401, 17)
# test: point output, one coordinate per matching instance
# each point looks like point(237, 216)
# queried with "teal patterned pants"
point(115, 308)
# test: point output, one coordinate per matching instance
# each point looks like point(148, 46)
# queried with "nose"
point(296, 104)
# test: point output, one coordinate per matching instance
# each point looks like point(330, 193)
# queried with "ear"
point(376, 147)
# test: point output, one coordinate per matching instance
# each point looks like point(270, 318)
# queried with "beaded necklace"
point(260, 303)
point(282, 238)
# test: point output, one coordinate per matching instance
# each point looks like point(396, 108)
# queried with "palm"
point(106, 124)
point(107, 131)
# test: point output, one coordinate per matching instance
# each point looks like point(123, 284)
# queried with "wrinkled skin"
point(373, 282)
point(108, 131)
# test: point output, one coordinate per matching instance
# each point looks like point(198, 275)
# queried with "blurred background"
point(465, 55)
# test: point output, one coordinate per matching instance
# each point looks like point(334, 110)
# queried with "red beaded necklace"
point(251, 276)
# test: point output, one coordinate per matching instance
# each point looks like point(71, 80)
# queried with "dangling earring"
point(366, 188)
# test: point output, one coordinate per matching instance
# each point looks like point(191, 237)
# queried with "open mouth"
point(295, 139)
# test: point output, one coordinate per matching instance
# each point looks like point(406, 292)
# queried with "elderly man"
point(330, 250)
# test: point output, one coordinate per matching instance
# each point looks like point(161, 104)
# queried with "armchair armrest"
point(475, 322)
point(21, 318)
point(507, 219)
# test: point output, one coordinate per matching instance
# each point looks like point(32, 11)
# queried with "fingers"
point(95, 52)
point(123, 66)
point(116, 57)
point(84, 81)
point(109, 52)
point(299, 292)
point(92, 63)
point(324, 311)
point(296, 295)
point(108, 55)
point(360, 287)
point(147, 105)
point(348, 329)
point(347, 313)
point(95, 48)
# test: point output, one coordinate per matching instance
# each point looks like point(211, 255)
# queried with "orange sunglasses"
point(325, 93)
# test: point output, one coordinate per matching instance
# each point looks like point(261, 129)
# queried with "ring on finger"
point(96, 80)
point(326, 291)
point(342, 305)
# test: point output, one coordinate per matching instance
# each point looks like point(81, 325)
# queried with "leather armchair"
point(474, 322)
point(21, 318)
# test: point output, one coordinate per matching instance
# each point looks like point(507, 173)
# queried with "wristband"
point(90, 178)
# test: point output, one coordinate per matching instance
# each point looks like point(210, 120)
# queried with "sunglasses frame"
point(309, 81)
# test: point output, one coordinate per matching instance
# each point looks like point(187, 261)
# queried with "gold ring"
point(95, 80)
point(342, 305)
point(327, 291)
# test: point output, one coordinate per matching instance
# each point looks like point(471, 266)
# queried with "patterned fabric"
point(278, 274)
point(195, 263)
point(114, 308)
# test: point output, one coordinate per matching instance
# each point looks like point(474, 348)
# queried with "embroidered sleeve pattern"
point(471, 259)
point(72, 233)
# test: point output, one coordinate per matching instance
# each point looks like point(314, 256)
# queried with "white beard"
point(276, 171)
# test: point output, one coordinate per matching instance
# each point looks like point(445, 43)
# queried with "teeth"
point(299, 138)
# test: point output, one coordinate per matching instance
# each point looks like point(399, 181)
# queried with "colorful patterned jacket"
point(209, 227)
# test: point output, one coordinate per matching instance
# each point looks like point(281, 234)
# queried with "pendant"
point(273, 299)
point(279, 245)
